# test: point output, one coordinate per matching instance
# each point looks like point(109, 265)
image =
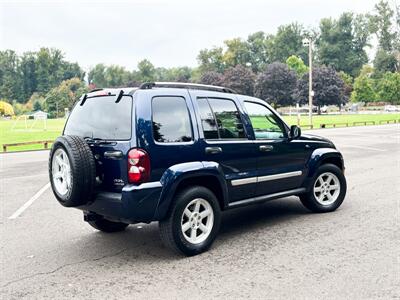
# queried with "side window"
point(171, 121)
point(265, 124)
point(228, 119)
point(207, 119)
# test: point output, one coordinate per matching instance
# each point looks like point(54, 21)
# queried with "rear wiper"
point(96, 141)
point(84, 99)
point(119, 96)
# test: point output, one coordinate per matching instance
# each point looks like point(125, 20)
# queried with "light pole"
point(308, 42)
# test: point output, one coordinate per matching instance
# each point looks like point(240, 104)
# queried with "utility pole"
point(308, 42)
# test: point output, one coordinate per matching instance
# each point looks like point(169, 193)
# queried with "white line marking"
point(363, 147)
point(29, 202)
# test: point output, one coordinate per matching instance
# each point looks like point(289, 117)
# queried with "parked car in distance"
point(181, 154)
point(391, 108)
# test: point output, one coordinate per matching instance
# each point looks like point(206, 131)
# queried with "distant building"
point(39, 115)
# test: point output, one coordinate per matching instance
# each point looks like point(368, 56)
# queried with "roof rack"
point(150, 85)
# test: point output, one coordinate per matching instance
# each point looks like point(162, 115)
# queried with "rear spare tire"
point(72, 171)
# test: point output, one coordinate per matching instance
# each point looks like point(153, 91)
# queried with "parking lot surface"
point(273, 250)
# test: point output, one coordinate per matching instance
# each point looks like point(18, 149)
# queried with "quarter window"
point(171, 121)
point(266, 124)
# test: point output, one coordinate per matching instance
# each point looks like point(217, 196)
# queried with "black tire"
point(108, 226)
point(170, 228)
point(82, 170)
point(309, 200)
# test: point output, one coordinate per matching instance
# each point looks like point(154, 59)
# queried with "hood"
point(312, 137)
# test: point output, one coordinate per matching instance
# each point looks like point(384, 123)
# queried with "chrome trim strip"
point(249, 180)
point(244, 181)
point(279, 176)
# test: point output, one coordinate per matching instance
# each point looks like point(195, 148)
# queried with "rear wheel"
point(327, 189)
point(193, 221)
point(108, 226)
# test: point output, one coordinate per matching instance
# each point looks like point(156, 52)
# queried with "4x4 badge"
point(118, 181)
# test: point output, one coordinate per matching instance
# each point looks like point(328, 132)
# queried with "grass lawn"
point(12, 131)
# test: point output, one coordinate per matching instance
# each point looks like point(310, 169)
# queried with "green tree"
point(146, 71)
point(257, 50)
point(363, 89)
point(239, 78)
point(64, 96)
point(327, 85)
point(211, 60)
point(342, 43)
point(386, 62)
point(97, 76)
point(388, 88)
point(288, 41)
point(10, 79)
point(237, 53)
point(296, 64)
point(381, 24)
point(276, 84)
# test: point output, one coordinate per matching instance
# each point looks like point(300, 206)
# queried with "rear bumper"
point(136, 203)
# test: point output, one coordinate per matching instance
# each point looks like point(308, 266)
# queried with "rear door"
point(165, 128)
point(107, 127)
point(223, 139)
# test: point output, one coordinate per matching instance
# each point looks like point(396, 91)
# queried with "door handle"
point(113, 154)
point(266, 148)
point(213, 150)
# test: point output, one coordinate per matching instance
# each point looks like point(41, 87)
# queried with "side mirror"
point(295, 132)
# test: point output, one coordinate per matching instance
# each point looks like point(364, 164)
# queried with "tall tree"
point(288, 41)
point(237, 52)
point(257, 44)
point(381, 24)
point(211, 60)
point(97, 76)
point(146, 71)
point(327, 85)
point(342, 43)
point(276, 84)
point(27, 70)
point(10, 79)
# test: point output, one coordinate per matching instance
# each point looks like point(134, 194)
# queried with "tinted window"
point(266, 125)
point(228, 119)
point(101, 117)
point(207, 119)
point(171, 122)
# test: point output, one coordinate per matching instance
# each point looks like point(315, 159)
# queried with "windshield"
point(102, 118)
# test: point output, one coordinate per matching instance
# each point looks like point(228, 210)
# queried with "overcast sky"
point(168, 33)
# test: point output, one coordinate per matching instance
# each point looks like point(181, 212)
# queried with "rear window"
point(101, 117)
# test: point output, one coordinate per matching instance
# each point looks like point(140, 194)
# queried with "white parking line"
point(363, 147)
point(29, 202)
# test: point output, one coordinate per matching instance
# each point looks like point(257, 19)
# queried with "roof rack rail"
point(150, 85)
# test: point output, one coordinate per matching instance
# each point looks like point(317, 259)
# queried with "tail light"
point(138, 166)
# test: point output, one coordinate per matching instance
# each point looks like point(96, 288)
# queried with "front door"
point(280, 161)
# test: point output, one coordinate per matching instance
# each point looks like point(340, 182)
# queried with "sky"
point(168, 33)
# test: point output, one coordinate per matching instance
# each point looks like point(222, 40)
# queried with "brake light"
point(138, 166)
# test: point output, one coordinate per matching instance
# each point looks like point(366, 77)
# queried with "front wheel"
point(193, 221)
point(326, 191)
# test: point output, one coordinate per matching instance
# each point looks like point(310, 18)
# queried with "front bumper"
point(135, 204)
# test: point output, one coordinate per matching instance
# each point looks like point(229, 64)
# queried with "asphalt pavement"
point(273, 250)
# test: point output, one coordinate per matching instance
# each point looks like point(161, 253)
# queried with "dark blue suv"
point(180, 154)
